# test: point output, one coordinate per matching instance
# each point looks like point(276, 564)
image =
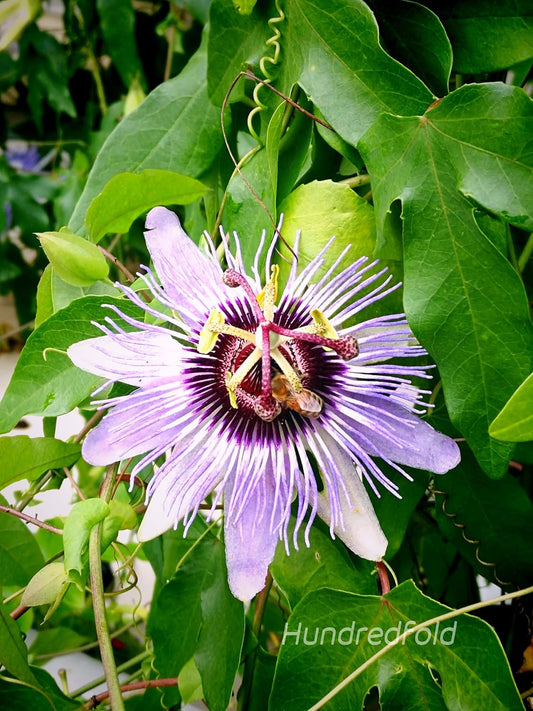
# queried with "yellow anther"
point(209, 333)
point(231, 391)
point(323, 325)
point(267, 298)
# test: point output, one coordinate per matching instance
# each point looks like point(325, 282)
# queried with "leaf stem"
point(399, 640)
point(97, 589)
point(356, 180)
point(524, 258)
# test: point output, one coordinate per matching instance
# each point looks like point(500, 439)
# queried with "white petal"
point(157, 519)
point(138, 358)
point(250, 543)
point(362, 532)
point(192, 281)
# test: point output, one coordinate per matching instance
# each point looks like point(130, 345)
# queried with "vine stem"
point(31, 519)
point(125, 666)
point(97, 589)
point(134, 686)
point(250, 661)
point(409, 633)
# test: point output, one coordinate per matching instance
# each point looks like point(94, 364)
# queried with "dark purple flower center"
point(265, 364)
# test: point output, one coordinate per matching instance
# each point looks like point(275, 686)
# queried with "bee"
point(305, 402)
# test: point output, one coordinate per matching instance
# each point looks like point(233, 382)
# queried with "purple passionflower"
point(245, 392)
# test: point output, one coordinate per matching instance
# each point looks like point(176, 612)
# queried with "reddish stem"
point(383, 575)
point(95, 701)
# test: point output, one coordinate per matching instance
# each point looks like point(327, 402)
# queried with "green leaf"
point(190, 683)
point(81, 519)
point(322, 210)
point(53, 293)
point(26, 457)
point(13, 652)
point(42, 695)
point(336, 38)
point(515, 421)
point(117, 22)
point(46, 585)
point(464, 301)
point(175, 616)
point(189, 617)
point(245, 7)
point(55, 386)
point(46, 62)
point(128, 195)
point(76, 261)
point(175, 126)
point(241, 209)
point(415, 36)
point(489, 35)
point(326, 563)
point(485, 520)
point(217, 655)
point(121, 516)
point(346, 630)
point(20, 556)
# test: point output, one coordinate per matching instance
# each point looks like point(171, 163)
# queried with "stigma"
point(266, 371)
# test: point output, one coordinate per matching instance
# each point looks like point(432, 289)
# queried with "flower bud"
point(76, 260)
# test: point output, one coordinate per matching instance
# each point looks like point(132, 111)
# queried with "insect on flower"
point(242, 391)
point(303, 401)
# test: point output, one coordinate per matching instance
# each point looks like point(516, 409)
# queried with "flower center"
point(262, 376)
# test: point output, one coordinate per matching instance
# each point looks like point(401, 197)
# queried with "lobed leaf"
point(332, 50)
point(474, 325)
point(349, 629)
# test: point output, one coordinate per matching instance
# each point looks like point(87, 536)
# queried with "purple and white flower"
point(245, 392)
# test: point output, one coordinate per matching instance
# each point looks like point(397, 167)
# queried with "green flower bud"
point(134, 98)
point(76, 261)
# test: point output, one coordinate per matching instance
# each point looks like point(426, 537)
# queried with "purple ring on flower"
point(205, 398)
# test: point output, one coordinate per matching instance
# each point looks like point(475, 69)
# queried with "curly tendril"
point(272, 41)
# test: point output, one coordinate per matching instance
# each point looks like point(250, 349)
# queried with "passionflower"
point(263, 398)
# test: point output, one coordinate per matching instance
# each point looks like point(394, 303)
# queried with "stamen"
point(209, 333)
point(242, 371)
point(216, 324)
point(287, 370)
point(267, 298)
point(323, 324)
